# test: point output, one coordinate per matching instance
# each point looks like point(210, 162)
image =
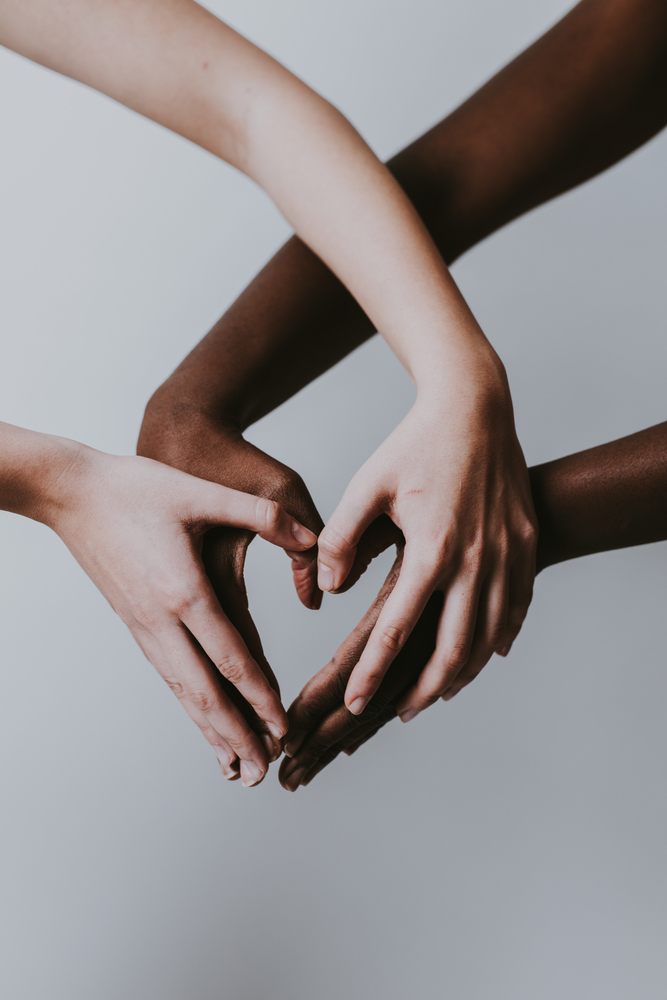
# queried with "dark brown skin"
point(586, 94)
point(609, 497)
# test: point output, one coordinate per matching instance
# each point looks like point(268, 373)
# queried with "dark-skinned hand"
point(228, 459)
point(321, 727)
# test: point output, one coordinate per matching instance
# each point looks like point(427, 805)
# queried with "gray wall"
point(506, 846)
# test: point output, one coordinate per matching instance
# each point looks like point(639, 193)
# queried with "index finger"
point(392, 630)
point(340, 729)
point(324, 692)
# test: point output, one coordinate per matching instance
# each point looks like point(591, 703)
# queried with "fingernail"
point(294, 743)
point(272, 750)
point(357, 706)
point(224, 755)
point(294, 780)
point(325, 579)
point(275, 730)
point(408, 716)
point(303, 535)
point(504, 650)
point(448, 695)
point(251, 773)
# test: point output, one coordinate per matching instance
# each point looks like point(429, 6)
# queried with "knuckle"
point(203, 699)
point(433, 558)
point(393, 637)
point(146, 616)
point(457, 657)
point(233, 669)
point(242, 740)
point(178, 596)
point(176, 687)
point(332, 543)
point(528, 533)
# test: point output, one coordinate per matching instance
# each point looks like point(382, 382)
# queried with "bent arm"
point(586, 94)
point(609, 497)
point(176, 63)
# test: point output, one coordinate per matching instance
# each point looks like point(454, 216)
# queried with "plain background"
point(507, 846)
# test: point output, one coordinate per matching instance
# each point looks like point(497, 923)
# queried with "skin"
point(177, 64)
point(466, 512)
point(608, 497)
point(586, 94)
point(137, 528)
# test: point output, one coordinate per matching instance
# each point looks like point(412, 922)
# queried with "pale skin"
point(137, 528)
point(465, 510)
point(587, 93)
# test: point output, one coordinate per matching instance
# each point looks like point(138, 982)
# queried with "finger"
point(379, 535)
point(213, 504)
point(480, 655)
point(221, 642)
point(304, 575)
point(297, 776)
point(522, 578)
point(397, 619)
point(224, 554)
point(453, 644)
point(192, 679)
point(325, 691)
point(338, 540)
point(360, 742)
point(491, 624)
point(340, 725)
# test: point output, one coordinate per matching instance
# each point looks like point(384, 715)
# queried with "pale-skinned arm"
point(462, 498)
point(587, 93)
point(608, 497)
point(137, 529)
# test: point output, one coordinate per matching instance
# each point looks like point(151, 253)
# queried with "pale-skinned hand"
point(137, 527)
point(453, 479)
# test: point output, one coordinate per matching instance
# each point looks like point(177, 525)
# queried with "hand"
point(320, 724)
point(214, 450)
point(137, 527)
point(453, 479)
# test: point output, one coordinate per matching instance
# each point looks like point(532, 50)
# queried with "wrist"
point(473, 382)
point(43, 475)
point(180, 432)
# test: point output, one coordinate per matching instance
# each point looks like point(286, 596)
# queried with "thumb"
point(218, 505)
point(339, 539)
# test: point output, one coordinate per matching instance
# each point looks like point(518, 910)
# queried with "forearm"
point(609, 497)
point(176, 63)
point(38, 473)
point(583, 96)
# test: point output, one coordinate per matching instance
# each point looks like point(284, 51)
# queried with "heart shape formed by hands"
point(320, 724)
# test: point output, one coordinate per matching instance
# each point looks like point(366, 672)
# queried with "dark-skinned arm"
point(583, 96)
point(609, 497)
point(586, 94)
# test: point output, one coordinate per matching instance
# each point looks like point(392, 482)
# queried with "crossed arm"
point(174, 62)
point(587, 93)
point(608, 497)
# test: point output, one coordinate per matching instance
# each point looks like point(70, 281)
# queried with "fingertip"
point(325, 577)
point(293, 743)
point(316, 599)
point(304, 536)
